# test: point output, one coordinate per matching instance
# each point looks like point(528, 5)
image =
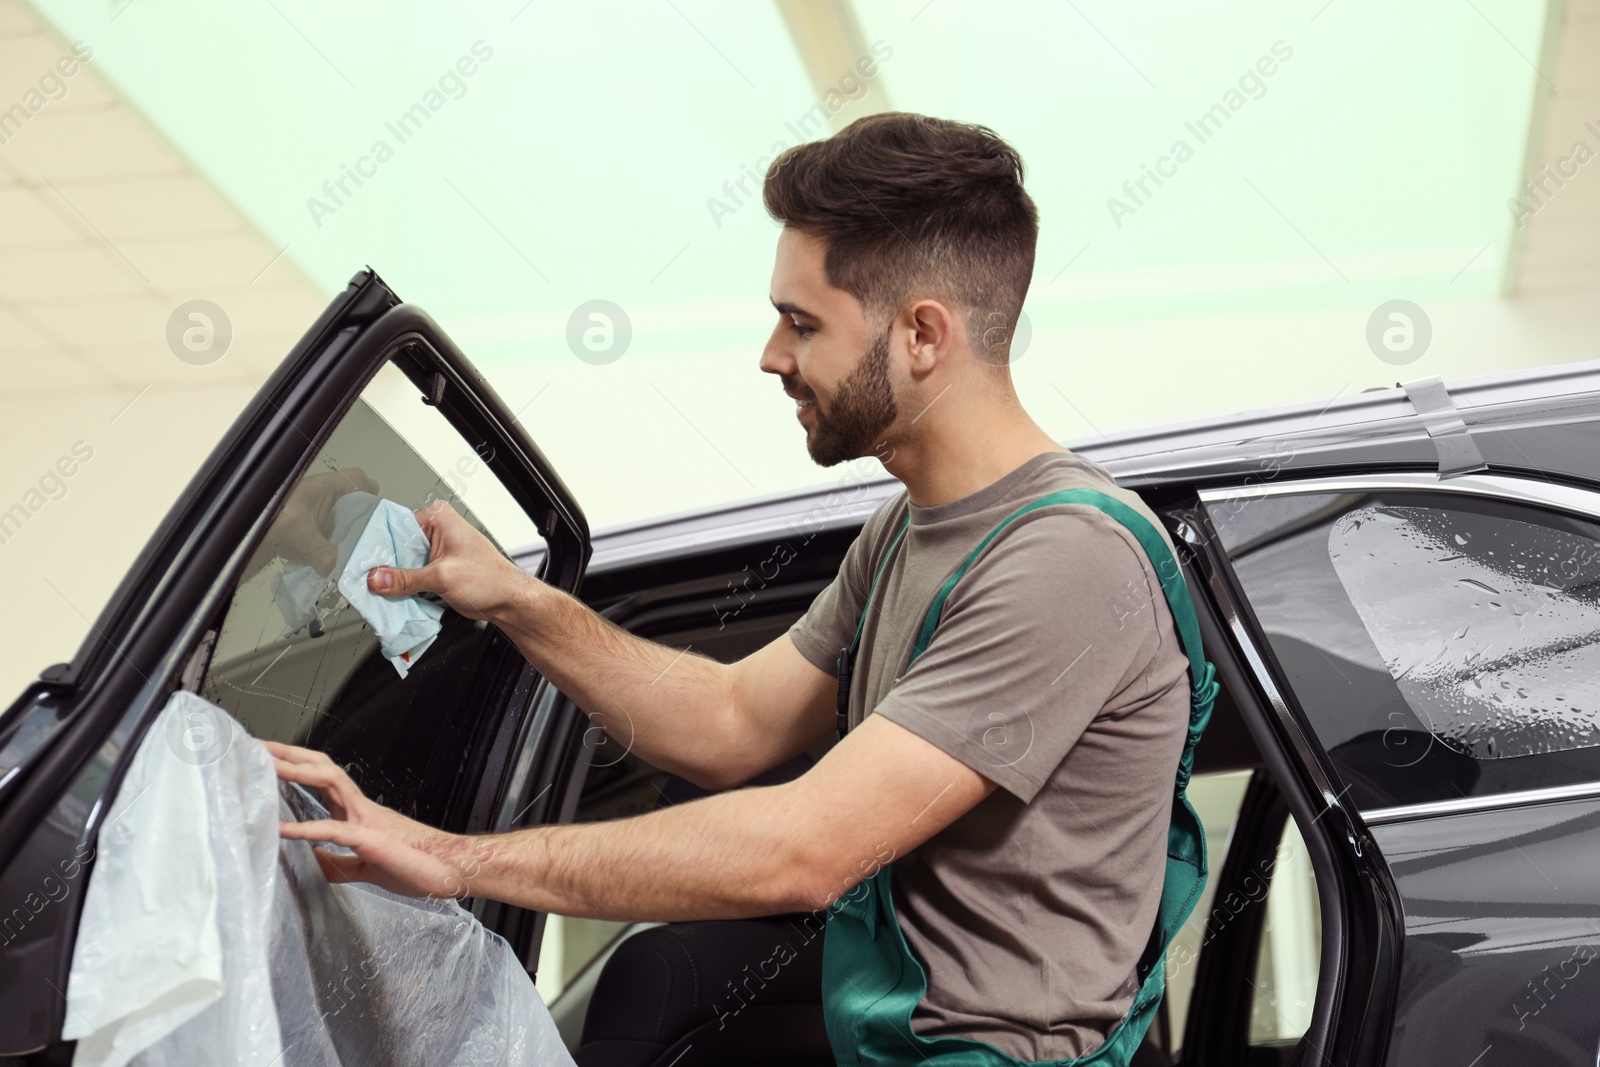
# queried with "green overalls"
point(870, 980)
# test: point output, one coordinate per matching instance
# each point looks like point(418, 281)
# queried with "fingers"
point(294, 753)
point(398, 581)
point(440, 511)
point(305, 767)
point(379, 859)
point(333, 831)
point(337, 868)
point(435, 519)
point(317, 775)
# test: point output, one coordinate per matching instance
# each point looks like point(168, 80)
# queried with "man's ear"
point(932, 332)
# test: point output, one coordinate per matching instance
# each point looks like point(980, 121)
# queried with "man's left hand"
point(391, 851)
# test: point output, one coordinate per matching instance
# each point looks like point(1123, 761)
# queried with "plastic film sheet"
point(206, 939)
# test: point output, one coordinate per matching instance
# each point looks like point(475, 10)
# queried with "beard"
point(862, 409)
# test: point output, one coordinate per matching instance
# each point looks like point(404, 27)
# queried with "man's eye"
point(803, 331)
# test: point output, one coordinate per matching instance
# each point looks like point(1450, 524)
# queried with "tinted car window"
point(1442, 645)
point(322, 681)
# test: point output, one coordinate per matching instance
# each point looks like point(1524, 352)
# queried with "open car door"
point(374, 399)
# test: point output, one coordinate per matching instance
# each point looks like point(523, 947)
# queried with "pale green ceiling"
point(587, 147)
point(579, 159)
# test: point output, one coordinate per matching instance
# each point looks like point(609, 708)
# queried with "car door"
point(1436, 642)
point(1298, 951)
point(375, 399)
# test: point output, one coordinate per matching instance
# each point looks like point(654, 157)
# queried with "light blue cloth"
point(368, 532)
point(405, 625)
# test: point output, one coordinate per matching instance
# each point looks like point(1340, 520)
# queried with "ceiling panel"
point(28, 222)
point(106, 228)
point(1560, 242)
point(31, 62)
point(63, 145)
point(161, 206)
point(67, 272)
point(84, 325)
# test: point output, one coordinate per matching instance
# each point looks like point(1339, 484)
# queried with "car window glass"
point(1442, 645)
point(310, 672)
point(1284, 987)
point(1492, 649)
point(459, 470)
point(1216, 799)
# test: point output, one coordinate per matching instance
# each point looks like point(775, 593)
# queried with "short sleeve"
point(830, 622)
point(1059, 618)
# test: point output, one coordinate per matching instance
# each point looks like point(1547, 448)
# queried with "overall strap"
point(1201, 673)
point(847, 656)
point(872, 981)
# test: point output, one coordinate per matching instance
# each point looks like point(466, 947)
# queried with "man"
point(1018, 774)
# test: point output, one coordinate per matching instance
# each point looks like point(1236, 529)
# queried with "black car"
point(1400, 591)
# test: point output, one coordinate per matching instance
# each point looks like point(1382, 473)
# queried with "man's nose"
point(775, 360)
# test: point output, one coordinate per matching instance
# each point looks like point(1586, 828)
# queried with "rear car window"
point(1441, 645)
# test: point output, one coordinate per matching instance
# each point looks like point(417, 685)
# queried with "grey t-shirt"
point(1055, 673)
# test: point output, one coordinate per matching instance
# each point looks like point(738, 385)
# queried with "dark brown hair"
point(912, 206)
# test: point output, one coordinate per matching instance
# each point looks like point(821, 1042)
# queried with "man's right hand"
point(463, 567)
point(715, 724)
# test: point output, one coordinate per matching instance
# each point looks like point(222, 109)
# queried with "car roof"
point(1376, 429)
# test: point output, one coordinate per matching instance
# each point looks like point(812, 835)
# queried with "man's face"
point(830, 359)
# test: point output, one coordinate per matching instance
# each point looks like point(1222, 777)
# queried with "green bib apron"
point(871, 982)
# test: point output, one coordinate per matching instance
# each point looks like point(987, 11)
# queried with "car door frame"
point(1362, 926)
point(148, 640)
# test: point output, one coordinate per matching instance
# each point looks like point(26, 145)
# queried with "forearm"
point(676, 708)
point(723, 857)
point(759, 851)
point(878, 794)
